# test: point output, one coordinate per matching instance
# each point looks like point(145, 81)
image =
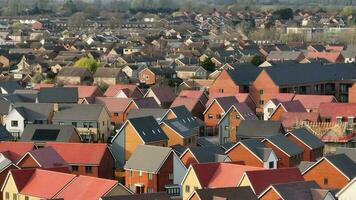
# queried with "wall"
point(240, 153)
point(192, 181)
point(225, 83)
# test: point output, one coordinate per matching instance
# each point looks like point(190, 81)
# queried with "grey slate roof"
point(147, 102)
point(350, 152)
point(304, 165)
point(291, 74)
point(233, 193)
point(178, 149)
point(4, 162)
point(148, 158)
point(148, 129)
point(64, 135)
point(344, 164)
point(4, 106)
point(34, 111)
point(308, 138)
point(157, 113)
point(244, 74)
point(257, 148)
point(283, 55)
point(182, 128)
point(78, 112)
point(4, 134)
point(58, 95)
point(296, 190)
point(285, 144)
point(207, 153)
point(258, 128)
point(293, 106)
point(227, 102)
point(9, 86)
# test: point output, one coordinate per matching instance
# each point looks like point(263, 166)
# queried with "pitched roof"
point(86, 187)
point(289, 119)
point(144, 196)
point(348, 151)
point(48, 132)
point(235, 193)
point(157, 113)
point(206, 153)
point(197, 94)
point(182, 128)
point(224, 102)
point(147, 102)
point(285, 145)
point(344, 164)
point(313, 101)
point(164, 94)
point(258, 128)
point(84, 90)
point(114, 104)
point(304, 165)
point(332, 110)
point(114, 89)
point(296, 190)
point(148, 158)
point(256, 147)
point(292, 106)
point(188, 102)
point(73, 153)
point(46, 157)
point(329, 56)
point(15, 150)
point(148, 129)
point(34, 111)
point(262, 179)
point(9, 86)
point(78, 112)
point(308, 138)
point(58, 95)
point(244, 74)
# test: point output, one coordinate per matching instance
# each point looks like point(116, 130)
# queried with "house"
point(141, 103)
point(235, 193)
point(58, 95)
point(196, 84)
point(241, 98)
point(136, 131)
point(116, 107)
point(193, 104)
point(347, 192)
point(164, 95)
point(27, 113)
point(154, 169)
point(307, 190)
point(201, 95)
point(332, 57)
point(6, 165)
point(216, 110)
point(206, 154)
point(180, 131)
point(44, 158)
point(230, 122)
point(338, 112)
point(99, 164)
point(15, 150)
point(34, 184)
point(8, 87)
point(123, 91)
point(288, 153)
point(110, 76)
point(333, 171)
point(40, 134)
point(260, 180)
point(74, 76)
point(144, 196)
point(212, 175)
point(86, 93)
point(91, 120)
point(291, 120)
point(152, 75)
point(313, 147)
point(188, 72)
point(269, 107)
point(258, 129)
point(284, 107)
point(252, 152)
point(281, 56)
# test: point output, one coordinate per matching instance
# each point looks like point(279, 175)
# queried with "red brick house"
point(334, 171)
point(100, 163)
point(116, 107)
point(152, 169)
point(253, 153)
point(284, 107)
point(288, 153)
point(123, 91)
point(313, 147)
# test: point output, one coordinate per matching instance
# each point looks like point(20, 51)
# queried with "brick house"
point(123, 91)
point(141, 103)
point(313, 147)
point(203, 154)
point(99, 164)
point(154, 169)
point(334, 171)
point(152, 75)
point(116, 107)
point(288, 153)
point(253, 153)
point(284, 107)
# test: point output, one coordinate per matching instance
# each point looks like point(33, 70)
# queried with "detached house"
point(154, 169)
point(136, 131)
point(74, 76)
point(152, 75)
point(123, 91)
point(110, 76)
point(284, 107)
point(164, 95)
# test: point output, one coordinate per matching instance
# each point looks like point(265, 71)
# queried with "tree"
point(89, 63)
point(208, 65)
point(69, 7)
point(257, 60)
point(77, 19)
point(285, 14)
point(37, 78)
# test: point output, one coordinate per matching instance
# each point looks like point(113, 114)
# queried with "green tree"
point(257, 60)
point(37, 78)
point(89, 63)
point(208, 65)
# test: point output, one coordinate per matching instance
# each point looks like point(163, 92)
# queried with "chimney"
point(55, 107)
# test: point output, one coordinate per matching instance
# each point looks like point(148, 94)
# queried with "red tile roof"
point(194, 94)
point(332, 110)
point(329, 56)
point(114, 104)
point(290, 118)
point(80, 153)
point(86, 188)
point(283, 96)
point(40, 183)
point(220, 174)
point(114, 89)
point(314, 101)
point(43, 85)
point(84, 90)
point(262, 179)
point(15, 150)
point(188, 102)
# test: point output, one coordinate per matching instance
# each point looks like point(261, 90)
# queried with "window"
point(14, 196)
point(210, 116)
point(61, 123)
point(226, 128)
point(7, 196)
point(27, 198)
point(218, 116)
point(270, 110)
point(88, 169)
point(339, 119)
point(189, 140)
point(262, 102)
point(271, 165)
point(261, 92)
point(170, 176)
point(74, 124)
point(116, 114)
point(140, 173)
point(74, 168)
point(187, 188)
point(326, 181)
point(14, 123)
point(149, 190)
point(150, 176)
point(85, 124)
point(91, 124)
point(221, 90)
point(131, 173)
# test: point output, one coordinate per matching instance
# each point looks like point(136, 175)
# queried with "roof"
point(291, 74)
point(258, 128)
point(147, 102)
point(58, 95)
point(344, 164)
point(148, 129)
point(39, 183)
point(256, 147)
point(220, 174)
point(88, 188)
point(148, 158)
point(73, 153)
point(304, 165)
point(292, 106)
point(296, 190)
point(285, 145)
point(114, 89)
point(235, 193)
point(144, 196)
point(206, 153)
point(48, 132)
point(157, 113)
point(308, 138)
point(114, 104)
point(290, 119)
point(197, 94)
point(244, 74)
point(332, 110)
point(283, 55)
point(84, 90)
point(262, 179)
point(106, 72)
point(225, 102)
point(164, 94)
point(5, 135)
point(313, 101)
point(329, 56)
point(77, 112)
point(73, 71)
point(9, 86)
point(15, 150)
point(34, 111)
point(46, 157)
point(349, 152)
point(189, 102)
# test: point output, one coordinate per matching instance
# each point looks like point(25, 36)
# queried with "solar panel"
point(180, 126)
point(46, 134)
